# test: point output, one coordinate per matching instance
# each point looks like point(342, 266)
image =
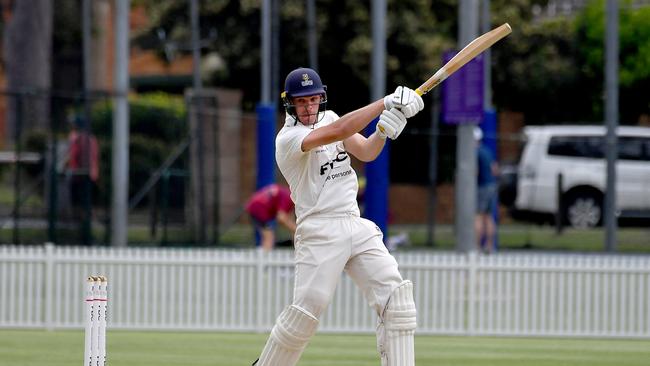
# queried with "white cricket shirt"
point(321, 180)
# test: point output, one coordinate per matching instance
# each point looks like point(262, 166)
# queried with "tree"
point(417, 34)
point(552, 69)
point(634, 59)
point(417, 30)
point(544, 69)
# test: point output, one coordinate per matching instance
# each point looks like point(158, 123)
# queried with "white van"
point(578, 154)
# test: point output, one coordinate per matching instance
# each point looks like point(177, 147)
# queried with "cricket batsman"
point(313, 153)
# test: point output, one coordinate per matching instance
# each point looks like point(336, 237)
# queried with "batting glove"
point(406, 100)
point(391, 123)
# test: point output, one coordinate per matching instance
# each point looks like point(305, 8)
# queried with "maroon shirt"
point(265, 203)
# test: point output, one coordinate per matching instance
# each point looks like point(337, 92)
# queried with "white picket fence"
point(532, 294)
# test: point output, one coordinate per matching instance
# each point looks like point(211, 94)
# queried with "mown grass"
point(59, 348)
point(521, 237)
point(512, 237)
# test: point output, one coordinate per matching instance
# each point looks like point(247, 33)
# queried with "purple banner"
point(462, 92)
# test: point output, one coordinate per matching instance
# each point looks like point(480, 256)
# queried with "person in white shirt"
point(313, 153)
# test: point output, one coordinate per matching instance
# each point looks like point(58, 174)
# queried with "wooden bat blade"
point(470, 51)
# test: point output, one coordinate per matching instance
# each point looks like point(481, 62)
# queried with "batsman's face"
point(307, 108)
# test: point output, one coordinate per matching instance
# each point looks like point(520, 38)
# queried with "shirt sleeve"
point(288, 144)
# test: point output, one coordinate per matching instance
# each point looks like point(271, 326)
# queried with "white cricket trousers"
point(324, 248)
point(327, 246)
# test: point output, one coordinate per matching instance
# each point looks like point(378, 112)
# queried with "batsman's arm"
point(344, 127)
point(364, 149)
point(286, 219)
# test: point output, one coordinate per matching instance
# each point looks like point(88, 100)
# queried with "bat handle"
point(419, 92)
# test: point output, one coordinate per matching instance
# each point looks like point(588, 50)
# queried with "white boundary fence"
point(532, 294)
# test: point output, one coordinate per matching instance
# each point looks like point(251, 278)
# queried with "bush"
point(157, 124)
point(35, 140)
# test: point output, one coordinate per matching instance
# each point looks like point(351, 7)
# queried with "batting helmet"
point(303, 82)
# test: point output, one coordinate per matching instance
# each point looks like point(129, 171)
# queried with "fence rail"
point(532, 294)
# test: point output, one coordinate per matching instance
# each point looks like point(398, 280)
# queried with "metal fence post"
point(17, 149)
point(559, 214)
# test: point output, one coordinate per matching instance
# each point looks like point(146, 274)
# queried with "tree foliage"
point(634, 59)
point(416, 29)
point(534, 72)
point(552, 69)
point(157, 125)
point(548, 68)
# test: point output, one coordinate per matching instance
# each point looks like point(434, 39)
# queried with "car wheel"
point(583, 211)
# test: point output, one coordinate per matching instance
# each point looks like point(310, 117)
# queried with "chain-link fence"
point(192, 166)
point(55, 172)
point(52, 187)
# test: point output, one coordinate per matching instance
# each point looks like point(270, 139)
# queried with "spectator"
point(82, 166)
point(265, 206)
point(487, 170)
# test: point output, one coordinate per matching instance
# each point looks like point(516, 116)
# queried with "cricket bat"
point(470, 51)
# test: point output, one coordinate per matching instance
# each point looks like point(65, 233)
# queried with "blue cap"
point(302, 82)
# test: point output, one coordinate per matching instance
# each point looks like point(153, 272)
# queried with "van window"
point(577, 146)
point(629, 147)
point(634, 148)
point(646, 148)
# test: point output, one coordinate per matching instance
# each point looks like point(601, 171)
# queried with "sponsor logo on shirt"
point(341, 156)
point(339, 174)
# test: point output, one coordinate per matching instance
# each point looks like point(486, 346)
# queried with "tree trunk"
point(27, 55)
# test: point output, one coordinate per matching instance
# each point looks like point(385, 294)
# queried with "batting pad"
point(396, 328)
point(289, 337)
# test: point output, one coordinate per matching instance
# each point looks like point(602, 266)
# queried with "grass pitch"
point(59, 348)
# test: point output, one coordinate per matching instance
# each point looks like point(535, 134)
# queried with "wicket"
point(96, 306)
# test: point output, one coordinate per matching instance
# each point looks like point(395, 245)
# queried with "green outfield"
point(64, 348)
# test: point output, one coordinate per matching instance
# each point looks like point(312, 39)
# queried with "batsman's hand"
point(404, 99)
point(391, 123)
